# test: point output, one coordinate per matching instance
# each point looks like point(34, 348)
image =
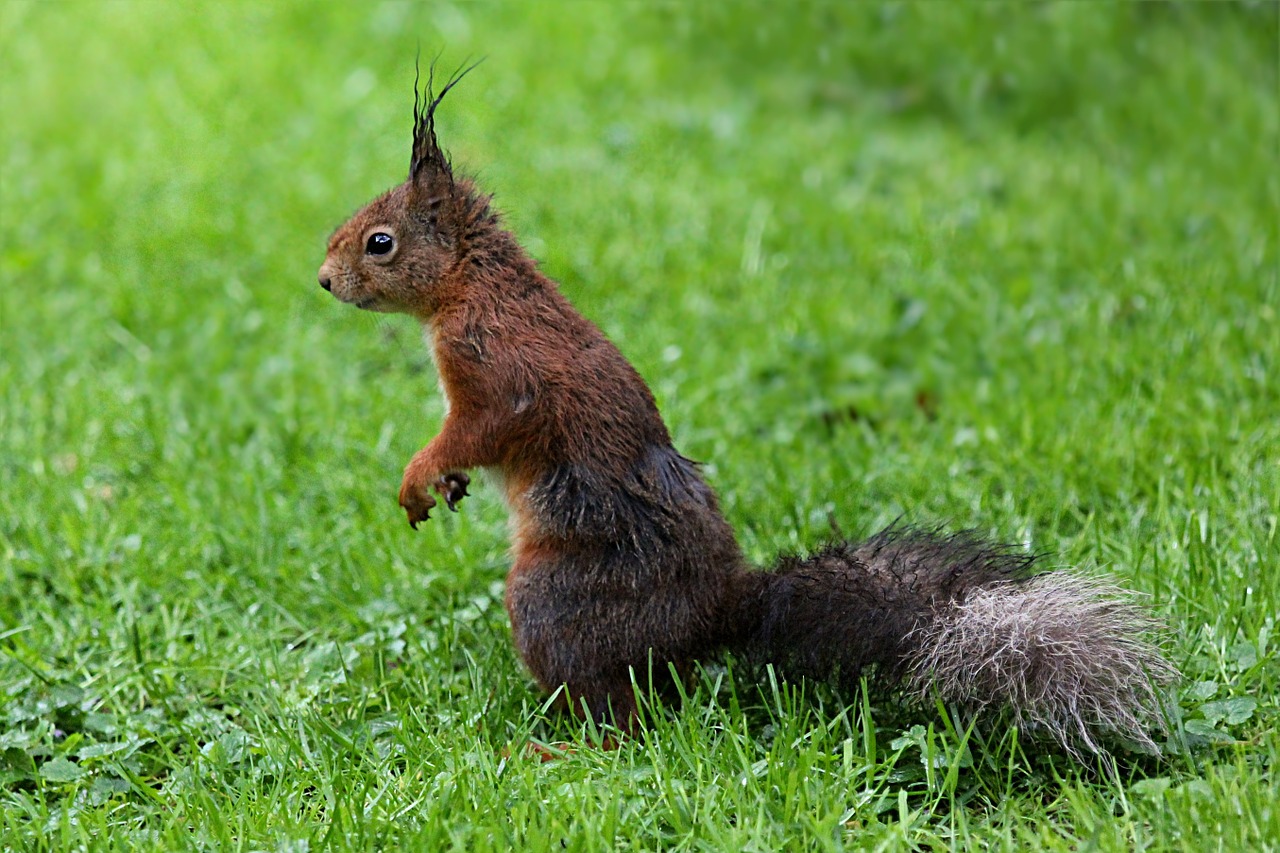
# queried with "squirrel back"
point(622, 561)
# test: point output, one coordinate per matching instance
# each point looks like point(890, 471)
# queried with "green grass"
point(1011, 267)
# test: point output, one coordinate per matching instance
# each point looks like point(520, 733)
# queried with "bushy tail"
point(957, 618)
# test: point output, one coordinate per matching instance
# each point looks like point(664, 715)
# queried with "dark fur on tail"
point(974, 624)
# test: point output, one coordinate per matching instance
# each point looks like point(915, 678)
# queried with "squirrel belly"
point(623, 562)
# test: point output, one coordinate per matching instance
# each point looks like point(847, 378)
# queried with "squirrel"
point(622, 559)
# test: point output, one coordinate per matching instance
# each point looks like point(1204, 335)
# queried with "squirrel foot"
point(453, 488)
point(417, 502)
point(544, 752)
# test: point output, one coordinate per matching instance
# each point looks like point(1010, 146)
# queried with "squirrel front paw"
point(453, 488)
point(416, 500)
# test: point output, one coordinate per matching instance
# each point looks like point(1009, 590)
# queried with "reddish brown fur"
point(538, 394)
point(622, 560)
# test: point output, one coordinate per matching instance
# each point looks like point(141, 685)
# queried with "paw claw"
point(453, 488)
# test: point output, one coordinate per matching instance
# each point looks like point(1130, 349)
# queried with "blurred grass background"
point(1006, 266)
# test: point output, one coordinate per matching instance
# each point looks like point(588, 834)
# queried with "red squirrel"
point(624, 564)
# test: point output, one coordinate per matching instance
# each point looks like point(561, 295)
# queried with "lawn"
point(1005, 267)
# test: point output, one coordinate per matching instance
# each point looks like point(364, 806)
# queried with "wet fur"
point(621, 557)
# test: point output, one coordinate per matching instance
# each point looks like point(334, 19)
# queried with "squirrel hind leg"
point(604, 703)
point(615, 699)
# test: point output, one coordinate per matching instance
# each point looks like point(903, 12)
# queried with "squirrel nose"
point(324, 282)
point(325, 276)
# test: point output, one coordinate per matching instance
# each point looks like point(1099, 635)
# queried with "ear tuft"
point(427, 157)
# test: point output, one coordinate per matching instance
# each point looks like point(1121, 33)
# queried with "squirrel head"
point(395, 254)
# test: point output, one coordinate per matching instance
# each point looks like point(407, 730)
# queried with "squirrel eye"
point(379, 243)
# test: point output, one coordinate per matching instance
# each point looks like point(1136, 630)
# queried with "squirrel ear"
point(428, 160)
point(427, 208)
